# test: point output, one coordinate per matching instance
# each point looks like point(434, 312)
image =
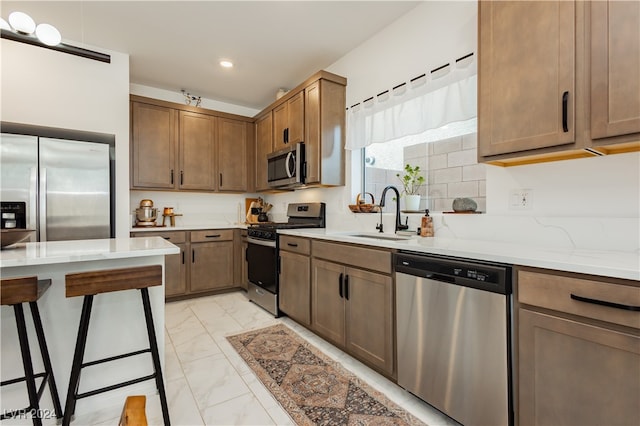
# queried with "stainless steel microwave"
point(286, 168)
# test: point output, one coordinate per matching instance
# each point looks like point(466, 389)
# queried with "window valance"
point(446, 95)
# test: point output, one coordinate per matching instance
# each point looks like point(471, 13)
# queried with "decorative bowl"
point(14, 235)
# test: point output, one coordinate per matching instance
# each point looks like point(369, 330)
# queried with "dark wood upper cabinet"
point(557, 80)
point(153, 146)
point(197, 151)
point(264, 146)
point(615, 69)
point(177, 147)
point(527, 75)
point(288, 122)
point(313, 113)
point(232, 155)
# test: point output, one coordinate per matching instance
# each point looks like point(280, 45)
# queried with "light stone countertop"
point(52, 252)
point(607, 263)
point(189, 227)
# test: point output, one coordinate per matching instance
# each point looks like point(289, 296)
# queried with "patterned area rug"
point(314, 389)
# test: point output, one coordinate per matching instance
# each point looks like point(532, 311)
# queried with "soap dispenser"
point(426, 225)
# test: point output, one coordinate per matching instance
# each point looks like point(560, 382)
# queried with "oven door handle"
point(261, 242)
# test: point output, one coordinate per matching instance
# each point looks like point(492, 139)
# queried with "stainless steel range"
point(262, 251)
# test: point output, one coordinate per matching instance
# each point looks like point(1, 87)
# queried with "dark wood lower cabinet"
point(578, 349)
point(175, 278)
point(295, 286)
point(574, 373)
point(211, 266)
point(205, 264)
point(353, 308)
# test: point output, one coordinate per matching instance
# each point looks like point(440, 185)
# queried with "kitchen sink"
point(381, 237)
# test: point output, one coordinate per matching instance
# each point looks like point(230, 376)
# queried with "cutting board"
point(247, 206)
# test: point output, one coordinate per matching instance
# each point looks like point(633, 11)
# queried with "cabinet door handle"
point(181, 177)
point(605, 303)
point(565, 112)
point(286, 135)
point(213, 236)
point(292, 245)
point(220, 179)
point(193, 256)
point(182, 257)
point(346, 287)
point(340, 285)
point(171, 176)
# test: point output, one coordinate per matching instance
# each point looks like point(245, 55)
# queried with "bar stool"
point(14, 292)
point(89, 284)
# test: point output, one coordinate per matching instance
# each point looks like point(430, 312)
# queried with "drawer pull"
point(213, 236)
point(605, 303)
point(167, 238)
point(292, 245)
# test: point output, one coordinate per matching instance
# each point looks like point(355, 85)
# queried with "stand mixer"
point(146, 214)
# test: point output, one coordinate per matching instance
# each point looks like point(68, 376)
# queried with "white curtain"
point(430, 102)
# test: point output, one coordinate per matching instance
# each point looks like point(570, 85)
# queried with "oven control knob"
point(269, 235)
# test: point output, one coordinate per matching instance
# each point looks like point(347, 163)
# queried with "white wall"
point(48, 88)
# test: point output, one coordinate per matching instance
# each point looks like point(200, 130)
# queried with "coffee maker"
point(13, 215)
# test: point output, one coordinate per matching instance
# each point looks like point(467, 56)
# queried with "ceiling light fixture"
point(22, 23)
point(226, 64)
point(48, 34)
point(188, 98)
point(21, 28)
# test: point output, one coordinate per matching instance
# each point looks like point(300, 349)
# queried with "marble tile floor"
point(208, 383)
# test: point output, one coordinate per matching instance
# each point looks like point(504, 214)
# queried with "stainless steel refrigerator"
point(66, 185)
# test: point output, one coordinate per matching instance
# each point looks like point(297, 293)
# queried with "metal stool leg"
point(81, 343)
point(28, 366)
point(155, 355)
point(44, 351)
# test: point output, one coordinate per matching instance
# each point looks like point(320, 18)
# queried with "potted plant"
point(412, 181)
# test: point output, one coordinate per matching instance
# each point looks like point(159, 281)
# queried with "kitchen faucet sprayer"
point(399, 225)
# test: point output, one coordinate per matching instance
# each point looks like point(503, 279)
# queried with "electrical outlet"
point(521, 199)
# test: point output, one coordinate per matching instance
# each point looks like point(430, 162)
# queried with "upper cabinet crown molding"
point(557, 80)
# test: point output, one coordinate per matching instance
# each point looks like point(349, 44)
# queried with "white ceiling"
point(177, 45)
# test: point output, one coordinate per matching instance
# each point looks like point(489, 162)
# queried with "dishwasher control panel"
point(470, 272)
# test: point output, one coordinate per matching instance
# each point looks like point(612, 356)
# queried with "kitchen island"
point(117, 322)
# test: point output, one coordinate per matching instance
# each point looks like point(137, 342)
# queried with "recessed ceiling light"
point(226, 64)
point(22, 22)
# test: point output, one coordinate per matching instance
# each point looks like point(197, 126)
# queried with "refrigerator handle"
point(33, 200)
point(43, 204)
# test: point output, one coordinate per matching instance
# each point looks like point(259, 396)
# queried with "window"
point(447, 157)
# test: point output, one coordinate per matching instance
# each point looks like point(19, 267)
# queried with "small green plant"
point(411, 180)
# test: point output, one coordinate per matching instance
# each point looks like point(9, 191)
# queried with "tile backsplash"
point(451, 171)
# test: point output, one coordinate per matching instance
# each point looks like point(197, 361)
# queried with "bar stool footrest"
point(116, 386)
point(21, 379)
point(114, 358)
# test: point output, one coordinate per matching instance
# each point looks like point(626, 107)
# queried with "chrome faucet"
point(399, 225)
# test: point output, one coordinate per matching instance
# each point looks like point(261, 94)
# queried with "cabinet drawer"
point(212, 235)
point(174, 237)
point(295, 244)
point(580, 296)
point(361, 257)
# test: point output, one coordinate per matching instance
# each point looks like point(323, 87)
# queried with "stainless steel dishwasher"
point(454, 335)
